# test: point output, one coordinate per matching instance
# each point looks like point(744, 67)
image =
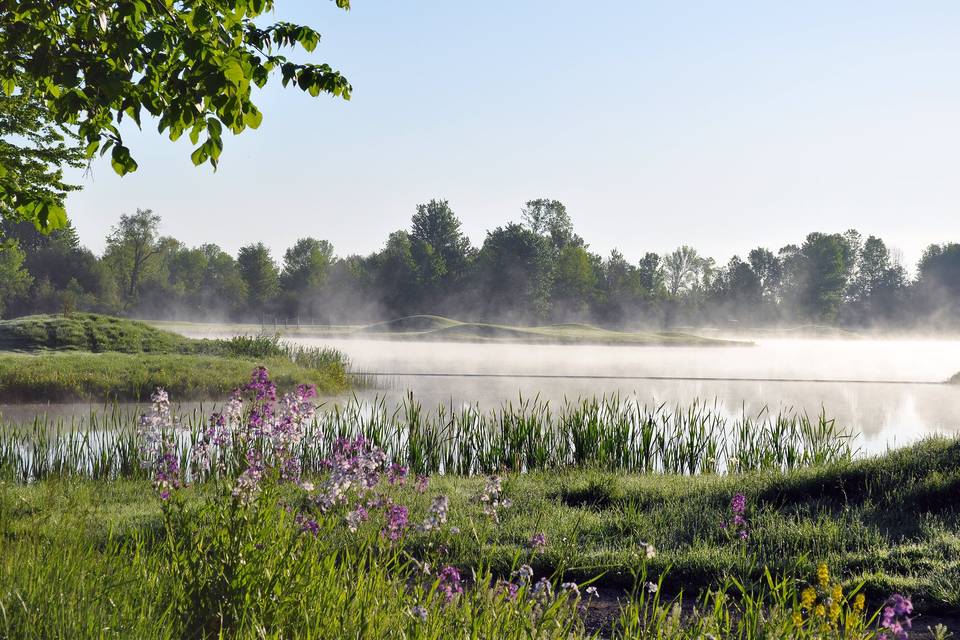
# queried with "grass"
point(87, 356)
point(428, 327)
point(64, 377)
point(612, 433)
point(889, 523)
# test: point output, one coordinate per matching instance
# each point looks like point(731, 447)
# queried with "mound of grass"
point(440, 328)
point(411, 323)
point(77, 376)
point(88, 356)
point(88, 332)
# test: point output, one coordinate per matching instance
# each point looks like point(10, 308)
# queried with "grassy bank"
point(64, 377)
point(888, 522)
point(99, 358)
point(439, 328)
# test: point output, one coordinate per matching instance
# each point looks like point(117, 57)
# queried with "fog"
point(887, 390)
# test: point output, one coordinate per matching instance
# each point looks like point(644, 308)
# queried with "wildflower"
point(592, 592)
point(543, 589)
point(823, 575)
point(807, 598)
point(525, 573)
point(538, 541)
point(571, 589)
point(419, 612)
point(437, 515)
point(397, 474)
point(421, 484)
point(307, 524)
point(397, 517)
point(454, 530)
point(448, 583)
point(649, 551)
point(895, 617)
point(357, 517)
point(820, 611)
point(859, 603)
point(492, 498)
point(652, 587)
point(507, 589)
point(737, 524)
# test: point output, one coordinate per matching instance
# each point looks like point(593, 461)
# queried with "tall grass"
point(611, 433)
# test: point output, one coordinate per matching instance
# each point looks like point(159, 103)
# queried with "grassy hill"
point(88, 356)
point(429, 327)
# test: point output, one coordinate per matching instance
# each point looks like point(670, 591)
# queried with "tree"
point(514, 268)
point(574, 282)
point(33, 153)
point(549, 218)
point(769, 272)
point(682, 270)
point(130, 246)
point(938, 283)
point(650, 271)
point(260, 275)
point(826, 267)
point(305, 265)
point(191, 65)
point(15, 280)
point(436, 224)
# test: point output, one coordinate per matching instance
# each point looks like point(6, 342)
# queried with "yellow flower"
point(837, 592)
point(859, 602)
point(807, 598)
point(823, 575)
point(797, 619)
point(820, 611)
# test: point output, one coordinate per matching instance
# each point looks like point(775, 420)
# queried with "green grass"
point(62, 377)
point(889, 521)
point(85, 356)
point(428, 327)
point(89, 332)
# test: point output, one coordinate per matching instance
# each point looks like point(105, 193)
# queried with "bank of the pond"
point(99, 377)
point(891, 522)
point(62, 358)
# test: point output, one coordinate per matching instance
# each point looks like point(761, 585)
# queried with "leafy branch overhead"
point(192, 64)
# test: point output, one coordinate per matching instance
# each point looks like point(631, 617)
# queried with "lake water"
point(889, 391)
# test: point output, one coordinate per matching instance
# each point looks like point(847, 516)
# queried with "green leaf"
point(253, 118)
point(9, 86)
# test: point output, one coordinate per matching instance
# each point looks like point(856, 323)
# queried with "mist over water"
point(887, 414)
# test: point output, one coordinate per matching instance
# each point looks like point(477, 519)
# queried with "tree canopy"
point(192, 65)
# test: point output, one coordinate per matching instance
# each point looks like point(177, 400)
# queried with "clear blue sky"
point(724, 125)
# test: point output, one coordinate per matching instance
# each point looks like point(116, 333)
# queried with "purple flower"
point(507, 589)
point(397, 474)
point(307, 524)
point(448, 583)
point(738, 504)
point(894, 617)
point(397, 517)
point(538, 541)
point(422, 483)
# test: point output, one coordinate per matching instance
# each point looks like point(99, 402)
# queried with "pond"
point(890, 391)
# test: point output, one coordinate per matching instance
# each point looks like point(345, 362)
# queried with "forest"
point(535, 270)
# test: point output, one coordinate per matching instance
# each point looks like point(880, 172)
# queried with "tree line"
point(536, 270)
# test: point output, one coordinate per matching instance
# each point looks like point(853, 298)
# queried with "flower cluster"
point(824, 606)
point(895, 618)
point(437, 516)
point(156, 445)
point(355, 466)
point(492, 498)
point(448, 583)
point(737, 525)
point(538, 541)
point(397, 517)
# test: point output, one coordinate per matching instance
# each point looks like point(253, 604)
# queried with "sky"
point(722, 125)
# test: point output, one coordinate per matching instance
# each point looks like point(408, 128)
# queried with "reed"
point(611, 433)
